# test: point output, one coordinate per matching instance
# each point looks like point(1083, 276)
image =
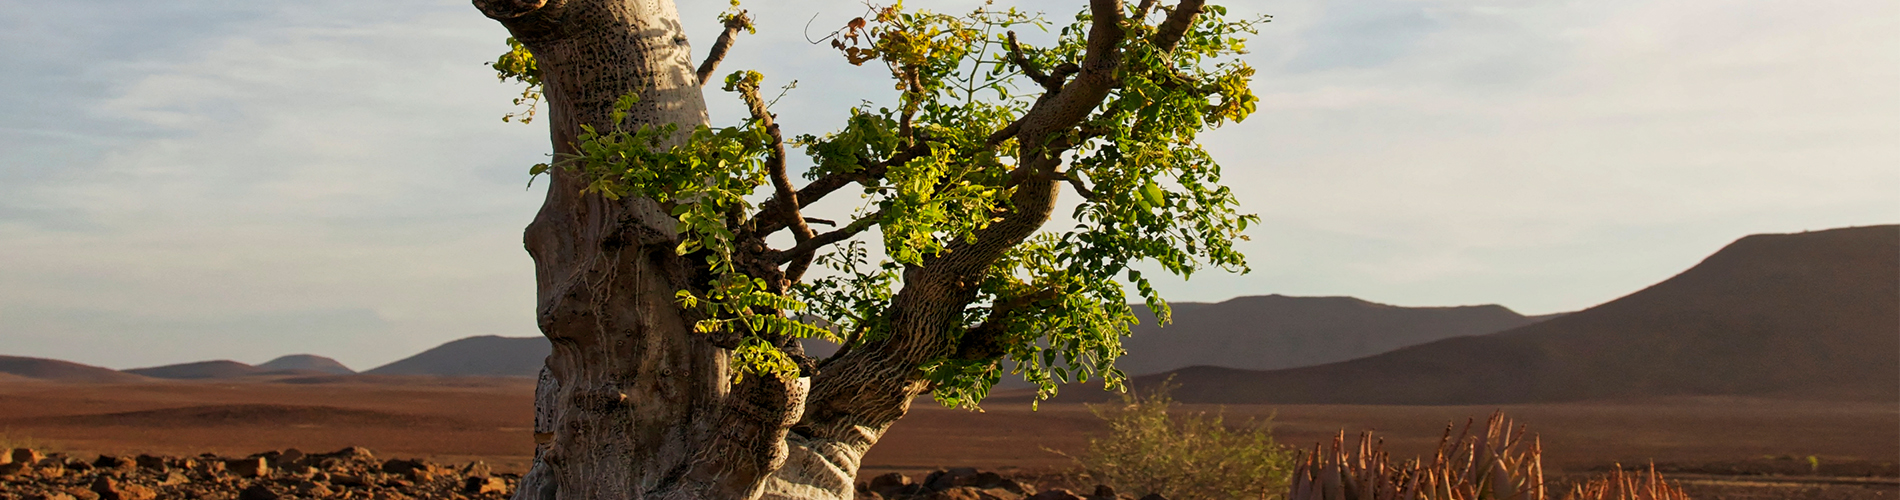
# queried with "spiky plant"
point(1619, 485)
point(1498, 464)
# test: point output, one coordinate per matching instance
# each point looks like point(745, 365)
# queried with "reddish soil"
point(464, 419)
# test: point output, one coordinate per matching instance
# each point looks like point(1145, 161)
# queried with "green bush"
point(1152, 447)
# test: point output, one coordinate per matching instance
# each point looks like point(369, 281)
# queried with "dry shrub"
point(1151, 448)
point(1499, 464)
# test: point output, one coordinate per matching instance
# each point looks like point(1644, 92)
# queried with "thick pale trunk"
point(632, 404)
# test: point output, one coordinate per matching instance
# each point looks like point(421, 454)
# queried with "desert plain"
point(462, 419)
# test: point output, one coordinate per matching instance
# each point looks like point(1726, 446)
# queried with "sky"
point(194, 179)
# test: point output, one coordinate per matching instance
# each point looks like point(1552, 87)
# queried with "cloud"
point(232, 175)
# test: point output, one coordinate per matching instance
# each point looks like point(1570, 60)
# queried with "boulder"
point(958, 493)
point(944, 479)
point(484, 486)
point(111, 462)
point(258, 491)
point(151, 463)
point(248, 467)
point(885, 484)
point(14, 469)
point(27, 455)
point(113, 489)
point(1055, 494)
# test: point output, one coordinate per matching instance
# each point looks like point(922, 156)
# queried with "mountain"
point(1813, 315)
point(483, 356)
point(307, 363)
point(200, 370)
point(1277, 331)
point(62, 371)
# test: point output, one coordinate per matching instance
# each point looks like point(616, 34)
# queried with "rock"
point(1153, 496)
point(6, 458)
point(1055, 494)
point(110, 462)
point(421, 475)
point(399, 466)
point(258, 491)
point(151, 463)
point(477, 469)
point(351, 453)
point(56, 495)
point(886, 483)
point(82, 493)
point(349, 480)
point(290, 456)
point(27, 455)
point(112, 489)
point(484, 485)
point(313, 489)
point(866, 494)
point(14, 469)
point(248, 467)
point(957, 493)
point(1001, 494)
point(77, 465)
point(946, 479)
point(1103, 492)
point(173, 478)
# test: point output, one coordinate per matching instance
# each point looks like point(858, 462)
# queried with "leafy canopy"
point(1055, 305)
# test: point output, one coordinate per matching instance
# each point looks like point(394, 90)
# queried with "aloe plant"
point(1500, 463)
point(1618, 485)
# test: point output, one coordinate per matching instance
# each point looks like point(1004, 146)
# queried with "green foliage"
point(1153, 447)
point(1060, 300)
point(518, 64)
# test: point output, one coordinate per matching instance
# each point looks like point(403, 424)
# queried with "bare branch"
point(1142, 11)
point(1169, 32)
point(812, 245)
point(1079, 187)
point(735, 23)
point(1029, 68)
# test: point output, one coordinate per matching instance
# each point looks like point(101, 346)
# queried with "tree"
point(676, 371)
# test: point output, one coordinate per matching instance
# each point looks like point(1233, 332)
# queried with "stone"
point(1103, 492)
point(1055, 494)
point(151, 463)
point(421, 475)
point(113, 489)
point(56, 495)
point(248, 467)
point(399, 466)
point(110, 462)
point(1153, 496)
point(1001, 494)
point(27, 455)
point(477, 469)
point(349, 480)
point(14, 469)
point(883, 484)
point(484, 485)
point(957, 493)
point(290, 456)
point(946, 479)
point(258, 492)
point(173, 478)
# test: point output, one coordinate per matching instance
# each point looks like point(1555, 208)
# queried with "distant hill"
point(1813, 315)
point(485, 356)
point(1277, 331)
point(62, 371)
point(199, 370)
point(307, 363)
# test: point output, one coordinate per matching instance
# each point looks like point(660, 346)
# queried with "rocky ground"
point(348, 473)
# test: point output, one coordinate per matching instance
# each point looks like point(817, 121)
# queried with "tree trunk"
point(632, 403)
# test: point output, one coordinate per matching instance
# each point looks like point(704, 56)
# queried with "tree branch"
point(985, 341)
point(724, 43)
point(1169, 32)
point(805, 248)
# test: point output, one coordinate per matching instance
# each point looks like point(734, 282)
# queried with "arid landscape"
point(1768, 371)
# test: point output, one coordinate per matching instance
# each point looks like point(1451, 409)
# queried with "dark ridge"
point(1811, 316)
point(307, 363)
point(480, 356)
point(200, 370)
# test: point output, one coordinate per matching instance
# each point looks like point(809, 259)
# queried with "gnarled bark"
point(632, 403)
